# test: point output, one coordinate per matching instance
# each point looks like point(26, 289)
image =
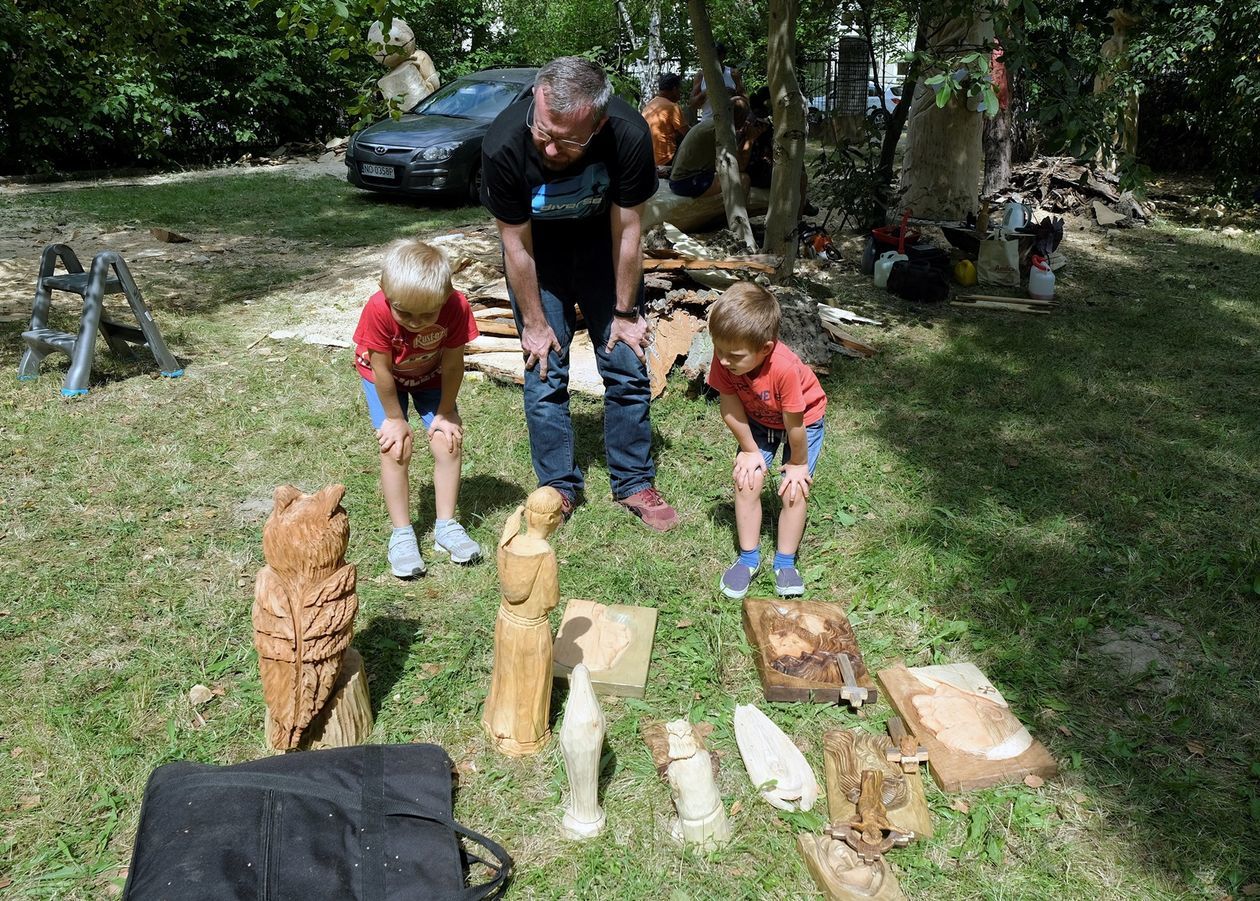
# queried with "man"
point(731, 80)
point(694, 173)
point(565, 174)
point(665, 120)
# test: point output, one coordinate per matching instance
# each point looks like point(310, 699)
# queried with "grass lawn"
point(1016, 491)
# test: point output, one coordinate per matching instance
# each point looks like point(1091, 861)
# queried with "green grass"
point(994, 488)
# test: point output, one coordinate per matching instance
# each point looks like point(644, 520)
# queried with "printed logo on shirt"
point(576, 197)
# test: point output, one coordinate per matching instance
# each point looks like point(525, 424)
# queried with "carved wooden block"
point(800, 652)
point(303, 615)
point(841, 876)
point(613, 640)
point(847, 753)
point(518, 706)
point(775, 765)
point(972, 737)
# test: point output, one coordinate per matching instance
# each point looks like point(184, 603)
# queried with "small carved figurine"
point(519, 704)
point(848, 755)
point(304, 607)
point(582, 742)
point(775, 765)
point(678, 749)
point(869, 832)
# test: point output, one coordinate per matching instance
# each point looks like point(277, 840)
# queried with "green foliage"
point(963, 75)
point(848, 177)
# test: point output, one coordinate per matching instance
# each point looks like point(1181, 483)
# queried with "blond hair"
point(416, 277)
point(746, 316)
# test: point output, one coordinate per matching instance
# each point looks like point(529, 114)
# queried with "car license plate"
point(377, 171)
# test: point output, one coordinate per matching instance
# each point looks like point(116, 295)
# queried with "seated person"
point(665, 121)
point(695, 165)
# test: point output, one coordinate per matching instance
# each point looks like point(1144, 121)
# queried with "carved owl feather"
point(304, 607)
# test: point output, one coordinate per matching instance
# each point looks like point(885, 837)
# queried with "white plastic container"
point(1014, 216)
point(883, 266)
point(1040, 280)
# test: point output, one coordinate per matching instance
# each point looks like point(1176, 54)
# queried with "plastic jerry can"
point(883, 266)
point(1040, 280)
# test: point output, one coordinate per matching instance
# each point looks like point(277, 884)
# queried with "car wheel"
point(879, 119)
point(474, 184)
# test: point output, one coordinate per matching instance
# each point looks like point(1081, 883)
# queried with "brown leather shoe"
point(650, 507)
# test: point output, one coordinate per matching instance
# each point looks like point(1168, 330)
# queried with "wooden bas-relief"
point(303, 616)
point(850, 753)
point(972, 738)
point(680, 756)
point(614, 641)
point(776, 766)
point(582, 743)
point(842, 876)
point(807, 651)
point(517, 709)
point(869, 831)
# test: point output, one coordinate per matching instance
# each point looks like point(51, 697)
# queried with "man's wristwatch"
point(631, 314)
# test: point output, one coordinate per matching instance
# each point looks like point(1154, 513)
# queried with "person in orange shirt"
point(665, 120)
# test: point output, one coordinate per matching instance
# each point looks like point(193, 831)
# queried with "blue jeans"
point(627, 395)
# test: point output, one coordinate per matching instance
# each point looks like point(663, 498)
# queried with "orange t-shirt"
point(781, 384)
point(665, 120)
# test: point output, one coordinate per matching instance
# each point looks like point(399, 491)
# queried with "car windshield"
point(468, 99)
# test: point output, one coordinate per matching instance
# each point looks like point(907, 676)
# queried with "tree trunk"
point(897, 121)
point(940, 174)
point(997, 153)
point(656, 51)
point(723, 127)
point(789, 137)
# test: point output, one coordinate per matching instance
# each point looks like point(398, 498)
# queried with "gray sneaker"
point(453, 540)
point(736, 579)
point(404, 556)
point(788, 582)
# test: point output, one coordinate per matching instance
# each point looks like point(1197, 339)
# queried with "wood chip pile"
point(1064, 185)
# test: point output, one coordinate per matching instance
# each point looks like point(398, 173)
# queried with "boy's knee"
point(440, 444)
point(758, 482)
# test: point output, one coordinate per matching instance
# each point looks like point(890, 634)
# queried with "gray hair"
point(574, 84)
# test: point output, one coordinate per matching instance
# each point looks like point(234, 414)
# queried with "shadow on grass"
point(1083, 473)
point(385, 646)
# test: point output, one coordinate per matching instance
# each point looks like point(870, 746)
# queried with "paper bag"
point(999, 262)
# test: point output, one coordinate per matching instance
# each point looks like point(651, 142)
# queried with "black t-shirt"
point(569, 209)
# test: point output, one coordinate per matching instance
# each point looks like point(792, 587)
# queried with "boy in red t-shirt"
point(409, 347)
point(769, 397)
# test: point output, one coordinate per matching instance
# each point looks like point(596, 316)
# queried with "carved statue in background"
point(968, 714)
point(412, 75)
point(582, 743)
point(680, 756)
point(303, 615)
point(519, 703)
point(847, 754)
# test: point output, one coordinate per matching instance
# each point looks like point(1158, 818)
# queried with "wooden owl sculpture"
point(304, 607)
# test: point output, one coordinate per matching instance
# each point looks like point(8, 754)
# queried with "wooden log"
point(703, 265)
point(493, 312)
point(847, 341)
point(505, 328)
point(488, 344)
point(693, 212)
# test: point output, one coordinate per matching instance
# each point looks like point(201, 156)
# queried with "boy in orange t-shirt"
point(665, 121)
point(768, 397)
point(409, 351)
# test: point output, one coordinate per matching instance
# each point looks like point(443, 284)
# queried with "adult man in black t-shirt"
point(565, 174)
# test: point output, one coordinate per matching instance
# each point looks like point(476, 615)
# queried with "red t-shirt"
point(781, 384)
point(416, 357)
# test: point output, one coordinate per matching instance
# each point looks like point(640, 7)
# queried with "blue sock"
point(782, 561)
point(751, 559)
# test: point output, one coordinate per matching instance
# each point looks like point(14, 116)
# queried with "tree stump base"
point(347, 718)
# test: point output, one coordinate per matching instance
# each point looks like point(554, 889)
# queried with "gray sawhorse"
point(92, 287)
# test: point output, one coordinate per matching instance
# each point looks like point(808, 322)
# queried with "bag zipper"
point(264, 872)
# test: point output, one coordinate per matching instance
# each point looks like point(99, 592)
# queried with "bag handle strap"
point(502, 865)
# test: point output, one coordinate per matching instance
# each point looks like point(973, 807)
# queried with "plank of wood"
point(847, 341)
point(487, 344)
point(505, 328)
point(671, 338)
point(1001, 299)
point(492, 312)
point(952, 770)
point(704, 265)
point(1008, 307)
point(584, 377)
point(779, 686)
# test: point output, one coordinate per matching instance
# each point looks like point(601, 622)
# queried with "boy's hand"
point(746, 465)
point(450, 425)
point(395, 438)
point(795, 477)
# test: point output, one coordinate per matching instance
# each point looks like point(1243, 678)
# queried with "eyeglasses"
point(548, 139)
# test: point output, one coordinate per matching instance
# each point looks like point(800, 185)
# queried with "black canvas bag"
point(368, 823)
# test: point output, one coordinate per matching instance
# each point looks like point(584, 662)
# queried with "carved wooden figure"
point(680, 756)
point(848, 753)
point(771, 757)
point(807, 651)
point(905, 750)
point(519, 704)
point(842, 876)
point(304, 607)
point(582, 742)
point(868, 832)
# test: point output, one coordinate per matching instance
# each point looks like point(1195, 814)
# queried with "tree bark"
point(897, 121)
point(997, 153)
point(723, 127)
point(940, 174)
point(789, 137)
point(656, 50)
